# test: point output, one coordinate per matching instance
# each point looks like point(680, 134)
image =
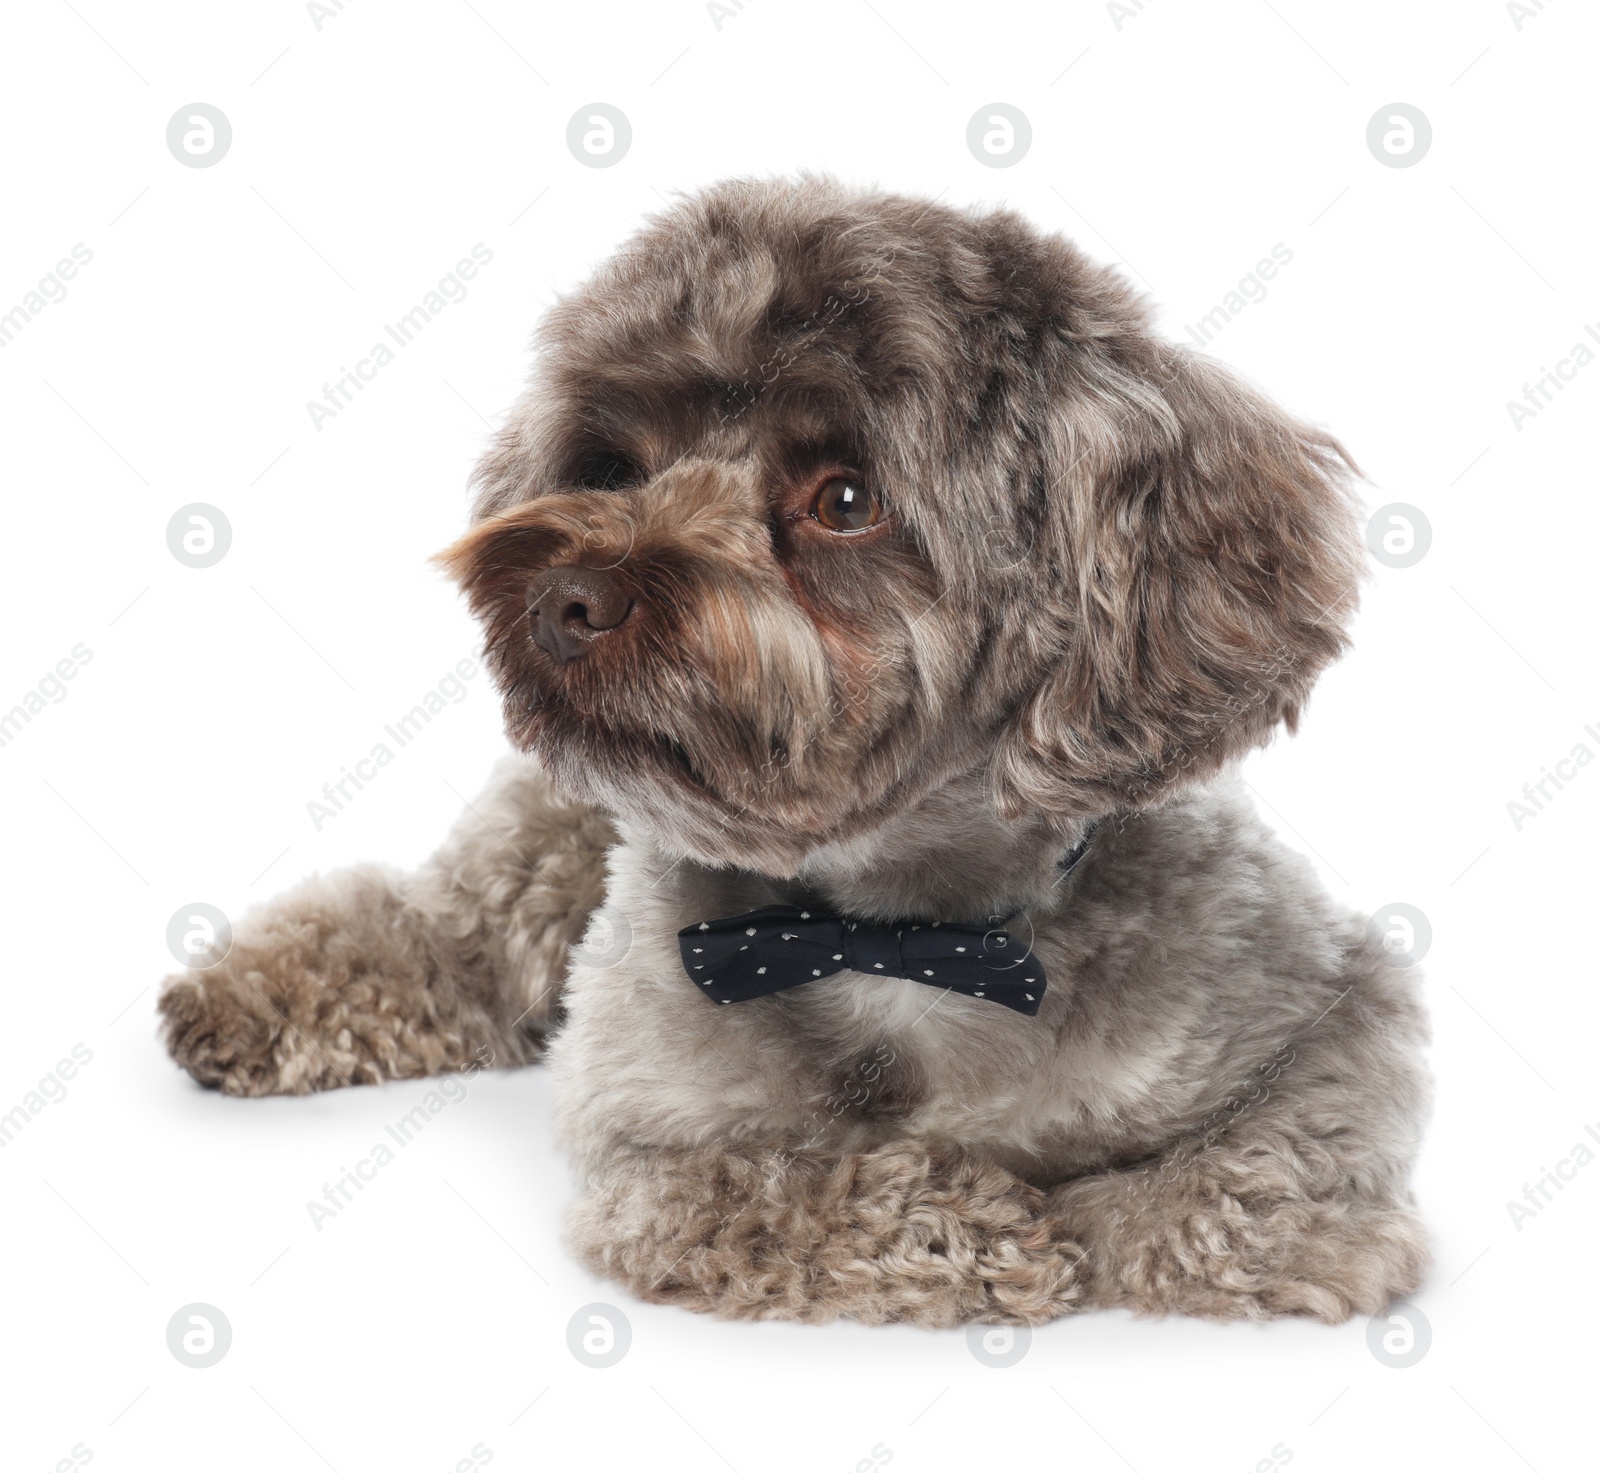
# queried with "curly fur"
point(371, 974)
point(1108, 570)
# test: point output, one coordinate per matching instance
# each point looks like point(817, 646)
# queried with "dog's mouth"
point(549, 723)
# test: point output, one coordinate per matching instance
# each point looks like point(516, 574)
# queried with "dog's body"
point(1100, 570)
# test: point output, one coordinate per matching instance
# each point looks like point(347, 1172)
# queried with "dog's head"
point(820, 499)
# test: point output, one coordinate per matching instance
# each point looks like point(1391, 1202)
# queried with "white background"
point(367, 158)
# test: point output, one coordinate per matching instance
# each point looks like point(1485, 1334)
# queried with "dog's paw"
point(903, 1233)
point(1340, 1260)
point(231, 1029)
point(1198, 1250)
point(222, 1048)
point(293, 1007)
point(336, 983)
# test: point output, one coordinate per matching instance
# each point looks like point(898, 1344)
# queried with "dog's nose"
point(571, 607)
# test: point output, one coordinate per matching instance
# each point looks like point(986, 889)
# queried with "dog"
point(881, 608)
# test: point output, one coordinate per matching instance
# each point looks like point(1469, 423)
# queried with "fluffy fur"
point(1108, 569)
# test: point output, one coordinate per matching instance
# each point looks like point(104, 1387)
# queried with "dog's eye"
point(609, 470)
point(845, 505)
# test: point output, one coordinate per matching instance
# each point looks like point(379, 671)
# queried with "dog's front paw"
point(1189, 1247)
point(336, 983)
point(226, 1027)
point(257, 1026)
point(902, 1233)
point(296, 1004)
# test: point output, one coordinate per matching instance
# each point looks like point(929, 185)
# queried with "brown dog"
point(862, 557)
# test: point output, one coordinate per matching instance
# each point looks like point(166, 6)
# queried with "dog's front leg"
point(901, 1232)
point(371, 974)
point(1278, 1212)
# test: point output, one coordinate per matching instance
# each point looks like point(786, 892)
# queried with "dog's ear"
point(1209, 551)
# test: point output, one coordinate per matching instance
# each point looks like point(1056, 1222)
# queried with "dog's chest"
point(875, 1051)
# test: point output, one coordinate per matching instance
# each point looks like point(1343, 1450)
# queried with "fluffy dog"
point(853, 554)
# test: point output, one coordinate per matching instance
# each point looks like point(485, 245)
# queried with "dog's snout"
point(571, 607)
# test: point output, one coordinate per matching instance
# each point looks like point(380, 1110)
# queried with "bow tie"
point(781, 946)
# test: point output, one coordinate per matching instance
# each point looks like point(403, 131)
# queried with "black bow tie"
point(780, 946)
